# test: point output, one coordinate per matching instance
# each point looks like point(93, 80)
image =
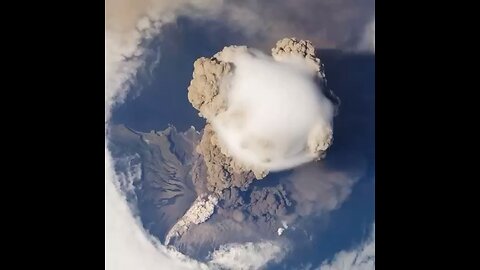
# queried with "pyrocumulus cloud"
point(278, 107)
point(277, 117)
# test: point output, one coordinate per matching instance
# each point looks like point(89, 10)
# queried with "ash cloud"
point(317, 188)
point(367, 42)
point(263, 113)
point(240, 217)
point(128, 23)
point(127, 244)
point(165, 183)
point(277, 117)
point(328, 24)
point(222, 171)
point(174, 204)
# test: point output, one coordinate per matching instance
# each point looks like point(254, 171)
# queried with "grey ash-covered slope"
point(173, 176)
point(165, 190)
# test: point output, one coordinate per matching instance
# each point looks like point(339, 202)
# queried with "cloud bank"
point(360, 258)
point(248, 256)
point(127, 24)
point(264, 113)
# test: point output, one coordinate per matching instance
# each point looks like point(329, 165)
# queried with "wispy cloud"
point(368, 39)
point(360, 258)
point(248, 256)
point(127, 23)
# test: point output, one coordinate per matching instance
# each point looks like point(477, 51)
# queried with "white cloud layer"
point(248, 256)
point(361, 258)
point(127, 245)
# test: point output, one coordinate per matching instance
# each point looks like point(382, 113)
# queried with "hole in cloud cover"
point(128, 246)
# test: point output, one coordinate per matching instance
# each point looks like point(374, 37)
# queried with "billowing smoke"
point(229, 167)
point(310, 191)
point(277, 117)
point(267, 113)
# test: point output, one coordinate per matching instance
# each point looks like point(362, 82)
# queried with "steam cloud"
point(277, 117)
point(247, 256)
point(264, 113)
point(131, 23)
